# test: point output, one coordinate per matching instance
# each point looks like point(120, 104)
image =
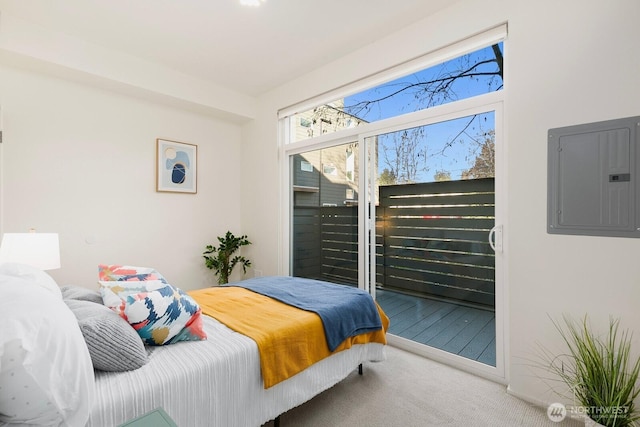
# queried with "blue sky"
point(442, 152)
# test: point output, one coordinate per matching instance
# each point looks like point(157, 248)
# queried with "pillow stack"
point(160, 313)
point(53, 338)
point(113, 344)
point(46, 373)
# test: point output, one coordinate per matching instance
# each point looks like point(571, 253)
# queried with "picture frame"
point(176, 166)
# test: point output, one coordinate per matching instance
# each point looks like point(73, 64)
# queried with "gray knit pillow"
point(77, 292)
point(113, 344)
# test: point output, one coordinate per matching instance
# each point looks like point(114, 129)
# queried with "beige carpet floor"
point(408, 390)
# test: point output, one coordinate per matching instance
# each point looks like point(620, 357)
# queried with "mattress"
point(216, 382)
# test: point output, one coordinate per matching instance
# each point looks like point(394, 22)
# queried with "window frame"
point(493, 101)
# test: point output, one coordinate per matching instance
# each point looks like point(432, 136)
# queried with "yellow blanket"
point(289, 339)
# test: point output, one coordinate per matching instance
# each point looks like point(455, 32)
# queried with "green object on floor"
point(156, 418)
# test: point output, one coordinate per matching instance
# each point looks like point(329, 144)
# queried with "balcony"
point(458, 329)
point(435, 271)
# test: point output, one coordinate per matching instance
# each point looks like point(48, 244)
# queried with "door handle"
point(495, 238)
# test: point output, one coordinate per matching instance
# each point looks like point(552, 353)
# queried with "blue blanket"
point(345, 311)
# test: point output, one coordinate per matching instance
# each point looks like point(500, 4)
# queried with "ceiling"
point(250, 50)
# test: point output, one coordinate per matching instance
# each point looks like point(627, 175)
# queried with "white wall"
point(568, 62)
point(80, 161)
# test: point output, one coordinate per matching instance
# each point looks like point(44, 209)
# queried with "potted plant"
point(599, 371)
point(221, 259)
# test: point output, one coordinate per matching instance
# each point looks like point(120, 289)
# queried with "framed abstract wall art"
point(176, 166)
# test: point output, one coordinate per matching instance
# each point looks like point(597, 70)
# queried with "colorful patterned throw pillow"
point(159, 312)
point(127, 273)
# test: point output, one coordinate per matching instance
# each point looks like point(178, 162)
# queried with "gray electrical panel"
point(593, 179)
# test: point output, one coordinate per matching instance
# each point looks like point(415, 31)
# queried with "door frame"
point(367, 251)
point(366, 212)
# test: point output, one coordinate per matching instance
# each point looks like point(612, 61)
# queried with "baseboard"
point(544, 405)
point(529, 399)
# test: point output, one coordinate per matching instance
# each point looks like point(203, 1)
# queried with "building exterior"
point(327, 177)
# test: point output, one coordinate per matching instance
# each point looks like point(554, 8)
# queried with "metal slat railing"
point(431, 240)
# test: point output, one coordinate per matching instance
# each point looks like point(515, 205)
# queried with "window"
point(350, 167)
point(380, 216)
point(330, 170)
point(306, 166)
point(305, 123)
point(466, 76)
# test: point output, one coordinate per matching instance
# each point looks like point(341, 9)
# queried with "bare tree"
point(403, 155)
point(442, 176)
point(440, 88)
point(484, 165)
point(387, 177)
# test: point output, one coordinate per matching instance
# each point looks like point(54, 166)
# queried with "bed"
point(212, 382)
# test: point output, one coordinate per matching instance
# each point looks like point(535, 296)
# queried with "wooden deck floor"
point(465, 331)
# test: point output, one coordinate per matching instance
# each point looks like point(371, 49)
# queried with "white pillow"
point(42, 350)
point(34, 275)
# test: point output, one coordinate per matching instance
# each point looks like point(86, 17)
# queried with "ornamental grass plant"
point(600, 371)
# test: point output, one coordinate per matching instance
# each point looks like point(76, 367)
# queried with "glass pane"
point(469, 75)
point(325, 214)
point(435, 270)
point(457, 149)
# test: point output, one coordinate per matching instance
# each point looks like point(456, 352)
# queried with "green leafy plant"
point(599, 371)
point(221, 259)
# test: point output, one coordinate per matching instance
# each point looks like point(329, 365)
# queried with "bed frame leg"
point(360, 369)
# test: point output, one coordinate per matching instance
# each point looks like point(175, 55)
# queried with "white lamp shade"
point(39, 250)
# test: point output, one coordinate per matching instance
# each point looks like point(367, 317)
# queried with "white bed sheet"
point(216, 382)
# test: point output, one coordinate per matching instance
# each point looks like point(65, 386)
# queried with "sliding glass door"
point(434, 265)
point(396, 189)
point(324, 220)
point(417, 237)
